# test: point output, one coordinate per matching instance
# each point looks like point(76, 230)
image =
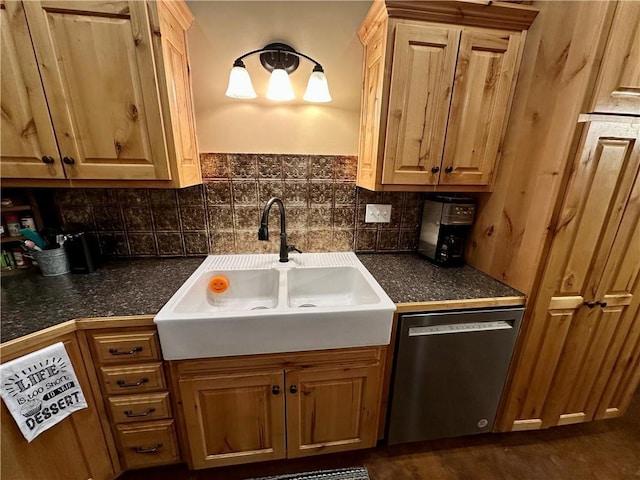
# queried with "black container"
point(83, 253)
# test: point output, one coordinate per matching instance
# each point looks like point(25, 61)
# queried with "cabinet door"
point(618, 85)
point(234, 419)
point(424, 61)
point(609, 394)
point(562, 328)
point(368, 164)
point(332, 410)
point(26, 129)
point(99, 77)
point(597, 336)
point(482, 92)
point(174, 62)
point(74, 449)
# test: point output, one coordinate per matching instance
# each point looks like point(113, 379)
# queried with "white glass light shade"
point(317, 88)
point(240, 85)
point(280, 86)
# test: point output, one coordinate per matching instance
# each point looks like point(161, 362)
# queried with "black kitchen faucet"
point(263, 231)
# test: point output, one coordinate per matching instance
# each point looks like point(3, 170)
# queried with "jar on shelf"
point(13, 224)
point(27, 221)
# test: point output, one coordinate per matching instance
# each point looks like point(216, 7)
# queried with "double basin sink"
point(315, 301)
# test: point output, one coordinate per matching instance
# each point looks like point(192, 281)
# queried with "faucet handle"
point(291, 248)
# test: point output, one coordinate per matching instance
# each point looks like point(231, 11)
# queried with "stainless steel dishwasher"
point(449, 372)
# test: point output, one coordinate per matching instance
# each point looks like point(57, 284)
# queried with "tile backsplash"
point(324, 210)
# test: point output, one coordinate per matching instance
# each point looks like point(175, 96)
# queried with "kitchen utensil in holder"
point(52, 262)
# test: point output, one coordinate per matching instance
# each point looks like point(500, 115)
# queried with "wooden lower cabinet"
point(74, 449)
point(580, 347)
point(331, 410)
point(148, 444)
point(249, 409)
point(233, 419)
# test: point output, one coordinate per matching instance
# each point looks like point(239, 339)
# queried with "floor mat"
point(356, 473)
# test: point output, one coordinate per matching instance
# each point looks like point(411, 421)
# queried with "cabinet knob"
point(275, 389)
point(602, 304)
point(48, 160)
point(435, 169)
point(68, 160)
point(449, 169)
point(293, 389)
point(589, 304)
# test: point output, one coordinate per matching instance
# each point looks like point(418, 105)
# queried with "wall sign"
point(41, 389)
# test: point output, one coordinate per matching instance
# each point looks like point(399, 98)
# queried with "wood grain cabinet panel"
point(148, 444)
point(138, 408)
point(121, 380)
point(618, 85)
point(423, 70)
point(113, 347)
point(436, 94)
point(28, 143)
point(580, 319)
point(96, 62)
point(233, 419)
point(245, 409)
point(482, 92)
point(114, 79)
point(332, 410)
point(74, 449)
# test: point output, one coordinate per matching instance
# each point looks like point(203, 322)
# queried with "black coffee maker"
point(446, 221)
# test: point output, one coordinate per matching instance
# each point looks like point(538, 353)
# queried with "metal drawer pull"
point(153, 449)
point(130, 414)
point(114, 351)
point(122, 383)
point(602, 304)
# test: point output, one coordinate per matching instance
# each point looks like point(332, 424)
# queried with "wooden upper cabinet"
point(423, 69)
point(27, 141)
point(482, 92)
point(118, 92)
point(579, 318)
point(618, 85)
point(435, 112)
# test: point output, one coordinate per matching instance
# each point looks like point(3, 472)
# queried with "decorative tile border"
point(325, 210)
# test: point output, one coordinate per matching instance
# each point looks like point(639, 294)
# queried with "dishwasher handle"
point(453, 328)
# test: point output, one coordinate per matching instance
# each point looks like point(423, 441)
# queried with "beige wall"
point(324, 30)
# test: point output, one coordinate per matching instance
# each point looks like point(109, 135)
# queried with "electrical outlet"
point(377, 213)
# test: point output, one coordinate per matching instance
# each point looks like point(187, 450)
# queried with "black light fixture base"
point(279, 57)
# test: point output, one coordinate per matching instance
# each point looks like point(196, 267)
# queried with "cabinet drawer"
point(129, 347)
point(147, 444)
point(133, 379)
point(137, 408)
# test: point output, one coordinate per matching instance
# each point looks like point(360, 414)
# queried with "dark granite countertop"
point(31, 302)
point(409, 278)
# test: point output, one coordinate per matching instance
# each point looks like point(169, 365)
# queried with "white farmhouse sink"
point(328, 287)
point(316, 301)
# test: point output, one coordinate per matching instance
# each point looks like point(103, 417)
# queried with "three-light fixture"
point(280, 59)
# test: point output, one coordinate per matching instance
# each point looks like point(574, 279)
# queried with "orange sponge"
point(219, 284)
